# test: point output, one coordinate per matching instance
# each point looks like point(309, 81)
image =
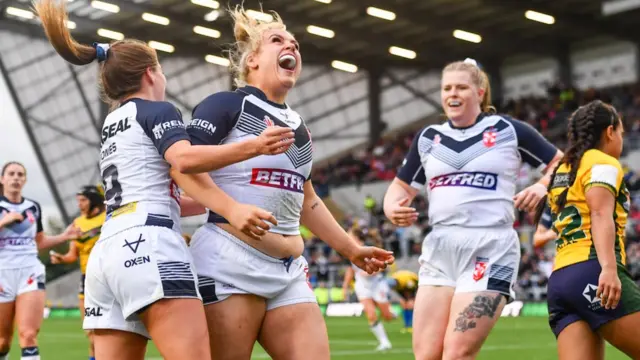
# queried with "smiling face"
point(460, 96)
point(277, 62)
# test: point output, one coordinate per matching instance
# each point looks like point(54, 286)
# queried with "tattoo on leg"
point(482, 305)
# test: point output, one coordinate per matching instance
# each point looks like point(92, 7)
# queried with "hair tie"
point(471, 61)
point(102, 51)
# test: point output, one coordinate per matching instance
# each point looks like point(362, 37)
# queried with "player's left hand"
point(372, 259)
point(529, 198)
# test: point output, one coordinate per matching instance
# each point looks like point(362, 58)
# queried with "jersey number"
point(113, 189)
point(573, 230)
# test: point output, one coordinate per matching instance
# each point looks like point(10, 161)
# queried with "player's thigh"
point(472, 317)
point(7, 312)
point(295, 332)
point(623, 334)
point(430, 319)
point(578, 342)
point(29, 315)
point(178, 328)
point(234, 325)
point(119, 345)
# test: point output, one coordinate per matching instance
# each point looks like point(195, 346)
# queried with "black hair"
point(95, 196)
point(4, 170)
point(586, 126)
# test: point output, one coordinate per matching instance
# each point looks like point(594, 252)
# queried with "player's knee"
point(425, 350)
point(459, 351)
point(28, 337)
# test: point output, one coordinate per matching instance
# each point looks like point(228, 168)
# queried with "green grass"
point(513, 338)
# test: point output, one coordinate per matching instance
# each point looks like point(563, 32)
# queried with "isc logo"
point(278, 178)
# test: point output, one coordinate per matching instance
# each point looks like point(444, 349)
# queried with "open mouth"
point(287, 62)
point(454, 103)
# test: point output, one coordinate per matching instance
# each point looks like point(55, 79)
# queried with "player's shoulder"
point(222, 101)
point(150, 109)
point(594, 157)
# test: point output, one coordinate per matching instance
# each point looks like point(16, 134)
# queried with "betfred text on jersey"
point(115, 128)
point(475, 179)
point(278, 178)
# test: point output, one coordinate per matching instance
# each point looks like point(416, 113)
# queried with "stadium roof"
point(424, 27)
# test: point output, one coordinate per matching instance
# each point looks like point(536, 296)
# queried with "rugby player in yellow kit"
point(591, 297)
point(92, 215)
point(405, 283)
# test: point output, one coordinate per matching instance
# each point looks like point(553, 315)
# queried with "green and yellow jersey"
point(573, 223)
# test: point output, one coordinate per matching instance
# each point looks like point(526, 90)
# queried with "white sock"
point(378, 330)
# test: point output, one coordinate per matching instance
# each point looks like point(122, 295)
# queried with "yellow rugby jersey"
point(90, 228)
point(406, 280)
point(573, 224)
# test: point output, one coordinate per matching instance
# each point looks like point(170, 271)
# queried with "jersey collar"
point(3, 198)
point(261, 95)
point(480, 117)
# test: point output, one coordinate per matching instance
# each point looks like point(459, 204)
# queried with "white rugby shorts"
point(226, 265)
point(375, 288)
point(471, 259)
point(14, 282)
point(131, 270)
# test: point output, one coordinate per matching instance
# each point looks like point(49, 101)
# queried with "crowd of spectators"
point(381, 161)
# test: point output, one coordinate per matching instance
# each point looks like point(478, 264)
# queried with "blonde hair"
point(121, 71)
point(479, 78)
point(248, 33)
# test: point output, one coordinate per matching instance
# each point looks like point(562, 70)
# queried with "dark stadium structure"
point(62, 112)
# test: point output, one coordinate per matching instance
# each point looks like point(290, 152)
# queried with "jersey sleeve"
point(412, 171)
point(534, 149)
point(162, 122)
point(214, 118)
point(38, 215)
point(606, 173)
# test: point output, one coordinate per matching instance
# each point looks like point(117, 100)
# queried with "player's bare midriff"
point(275, 245)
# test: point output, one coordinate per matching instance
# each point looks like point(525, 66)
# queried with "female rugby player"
point(258, 290)
point(22, 275)
point(470, 260)
point(591, 296)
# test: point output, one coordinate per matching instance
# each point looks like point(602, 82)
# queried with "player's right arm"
point(249, 219)
point(70, 257)
point(404, 188)
point(601, 184)
point(165, 128)
point(9, 218)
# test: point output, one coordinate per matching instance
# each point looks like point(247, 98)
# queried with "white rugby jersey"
point(274, 183)
point(470, 173)
point(18, 247)
point(135, 137)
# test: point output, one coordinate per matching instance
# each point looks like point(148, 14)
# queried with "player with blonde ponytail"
point(469, 165)
point(258, 290)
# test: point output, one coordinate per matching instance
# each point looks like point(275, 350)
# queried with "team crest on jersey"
point(30, 216)
point(437, 139)
point(481, 268)
point(489, 137)
point(268, 121)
